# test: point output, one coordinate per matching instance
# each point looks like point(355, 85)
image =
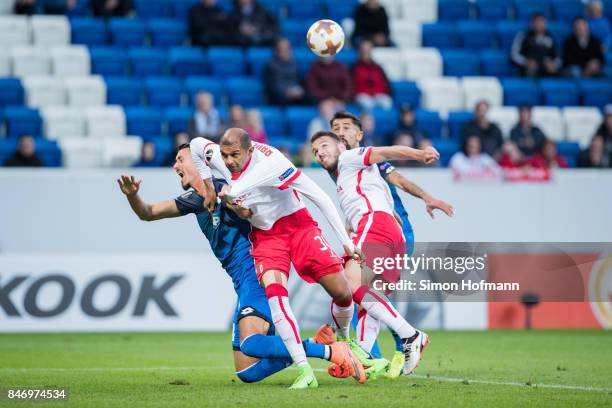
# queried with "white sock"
point(287, 327)
point(379, 307)
point(366, 331)
point(342, 316)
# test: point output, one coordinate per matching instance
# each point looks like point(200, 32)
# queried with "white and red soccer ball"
point(325, 38)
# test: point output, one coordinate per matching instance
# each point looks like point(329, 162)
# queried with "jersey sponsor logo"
point(286, 174)
point(246, 311)
point(208, 154)
point(264, 149)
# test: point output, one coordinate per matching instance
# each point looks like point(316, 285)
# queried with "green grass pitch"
point(494, 368)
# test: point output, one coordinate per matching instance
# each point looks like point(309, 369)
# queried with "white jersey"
point(207, 159)
point(361, 188)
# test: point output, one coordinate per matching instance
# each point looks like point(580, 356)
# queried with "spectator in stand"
point(490, 136)
point(237, 117)
point(605, 130)
point(371, 24)
point(281, 77)
point(209, 25)
point(111, 8)
point(528, 138)
point(254, 127)
point(25, 155)
point(254, 24)
point(594, 156)
point(599, 24)
point(534, 50)
point(473, 162)
point(407, 124)
point(368, 125)
point(512, 157)
point(327, 108)
point(372, 88)
point(179, 139)
point(548, 158)
point(582, 53)
point(205, 121)
point(30, 7)
point(403, 139)
point(329, 78)
point(147, 156)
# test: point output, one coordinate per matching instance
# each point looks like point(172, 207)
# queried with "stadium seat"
point(81, 152)
point(50, 30)
point(144, 121)
point(47, 150)
point(214, 86)
point(80, 9)
point(442, 94)
point(447, 149)
point(456, 121)
point(298, 118)
point(570, 151)
point(107, 61)
point(63, 121)
point(405, 33)
point(147, 61)
point(304, 58)
point(424, 11)
point(505, 117)
point(422, 63)
point(581, 124)
point(521, 92)
point(167, 32)
point(549, 120)
point(105, 121)
point(44, 91)
point(347, 57)
point(566, 10)
point(177, 119)
point(163, 146)
point(11, 92)
point(226, 62)
point(339, 10)
point(124, 91)
point(121, 151)
point(496, 63)
point(492, 10)
point(460, 63)
point(305, 10)
point(440, 35)
point(453, 10)
point(22, 121)
point(67, 61)
point(476, 89)
point(273, 120)
point(152, 8)
point(180, 9)
point(429, 121)
point(391, 60)
point(559, 31)
point(295, 31)
point(507, 31)
point(86, 91)
point(524, 9)
point(386, 120)
point(187, 61)
point(257, 58)
point(595, 92)
point(14, 31)
point(476, 34)
point(406, 92)
point(245, 91)
point(164, 91)
point(127, 32)
point(30, 61)
point(5, 63)
point(88, 31)
point(559, 92)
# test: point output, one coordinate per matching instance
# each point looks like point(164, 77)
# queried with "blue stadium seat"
point(187, 61)
point(594, 92)
point(456, 120)
point(492, 10)
point(476, 34)
point(152, 8)
point(167, 32)
point(245, 91)
point(147, 61)
point(560, 31)
point(298, 118)
point(560, 92)
point(226, 61)
point(274, 121)
point(180, 8)
point(295, 31)
point(304, 58)
point(286, 142)
point(143, 121)
point(164, 91)
point(177, 119)
point(496, 63)
point(507, 30)
point(163, 146)
point(570, 151)
point(127, 32)
point(453, 10)
point(440, 35)
point(519, 92)
point(446, 148)
point(124, 91)
point(49, 152)
point(525, 8)
point(21, 120)
point(194, 85)
point(257, 57)
point(109, 61)
point(11, 92)
point(311, 10)
point(348, 56)
point(88, 31)
point(406, 92)
point(567, 10)
point(607, 6)
point(80, 9)
point(339, 10)
point(460, 63)
point(429, 121)
point(386, 120)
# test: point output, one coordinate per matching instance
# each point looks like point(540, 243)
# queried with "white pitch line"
point(207, 368)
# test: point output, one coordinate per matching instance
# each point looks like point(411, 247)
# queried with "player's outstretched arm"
point(384, 153)
point(431, 203)
point(129, 186)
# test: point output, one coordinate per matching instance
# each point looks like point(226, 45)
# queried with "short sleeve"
point(356, 158)
point(189, 203)
point(198, 154)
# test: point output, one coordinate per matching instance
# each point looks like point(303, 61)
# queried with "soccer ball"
point(325, 38)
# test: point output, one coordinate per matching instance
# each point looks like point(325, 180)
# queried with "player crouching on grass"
point(258, 353)
point(366, 201)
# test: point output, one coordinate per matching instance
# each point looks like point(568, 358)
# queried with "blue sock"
point(262, 369)
point(262, 346)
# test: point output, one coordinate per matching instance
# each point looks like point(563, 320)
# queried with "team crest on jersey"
point(208, 154)
point(286, 174)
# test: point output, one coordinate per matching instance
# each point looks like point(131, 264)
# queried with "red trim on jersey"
point(236, 175)
point(206, 145)
point(359, 177)
point(366, 157)
point(290, 180)
point(295, 333)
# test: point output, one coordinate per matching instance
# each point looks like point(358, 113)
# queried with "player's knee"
point(344, 298)
point(250, 345)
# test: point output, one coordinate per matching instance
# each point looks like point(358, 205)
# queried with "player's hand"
point(435, 204)
point(223, 194)
point(129, 185)
point(430, 155)
point(355, 254)
point(244, 213)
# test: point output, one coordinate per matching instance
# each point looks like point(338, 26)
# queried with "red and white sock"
point(367, 330)
point(379, 307)
point(285, 323)
point(342, 315)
